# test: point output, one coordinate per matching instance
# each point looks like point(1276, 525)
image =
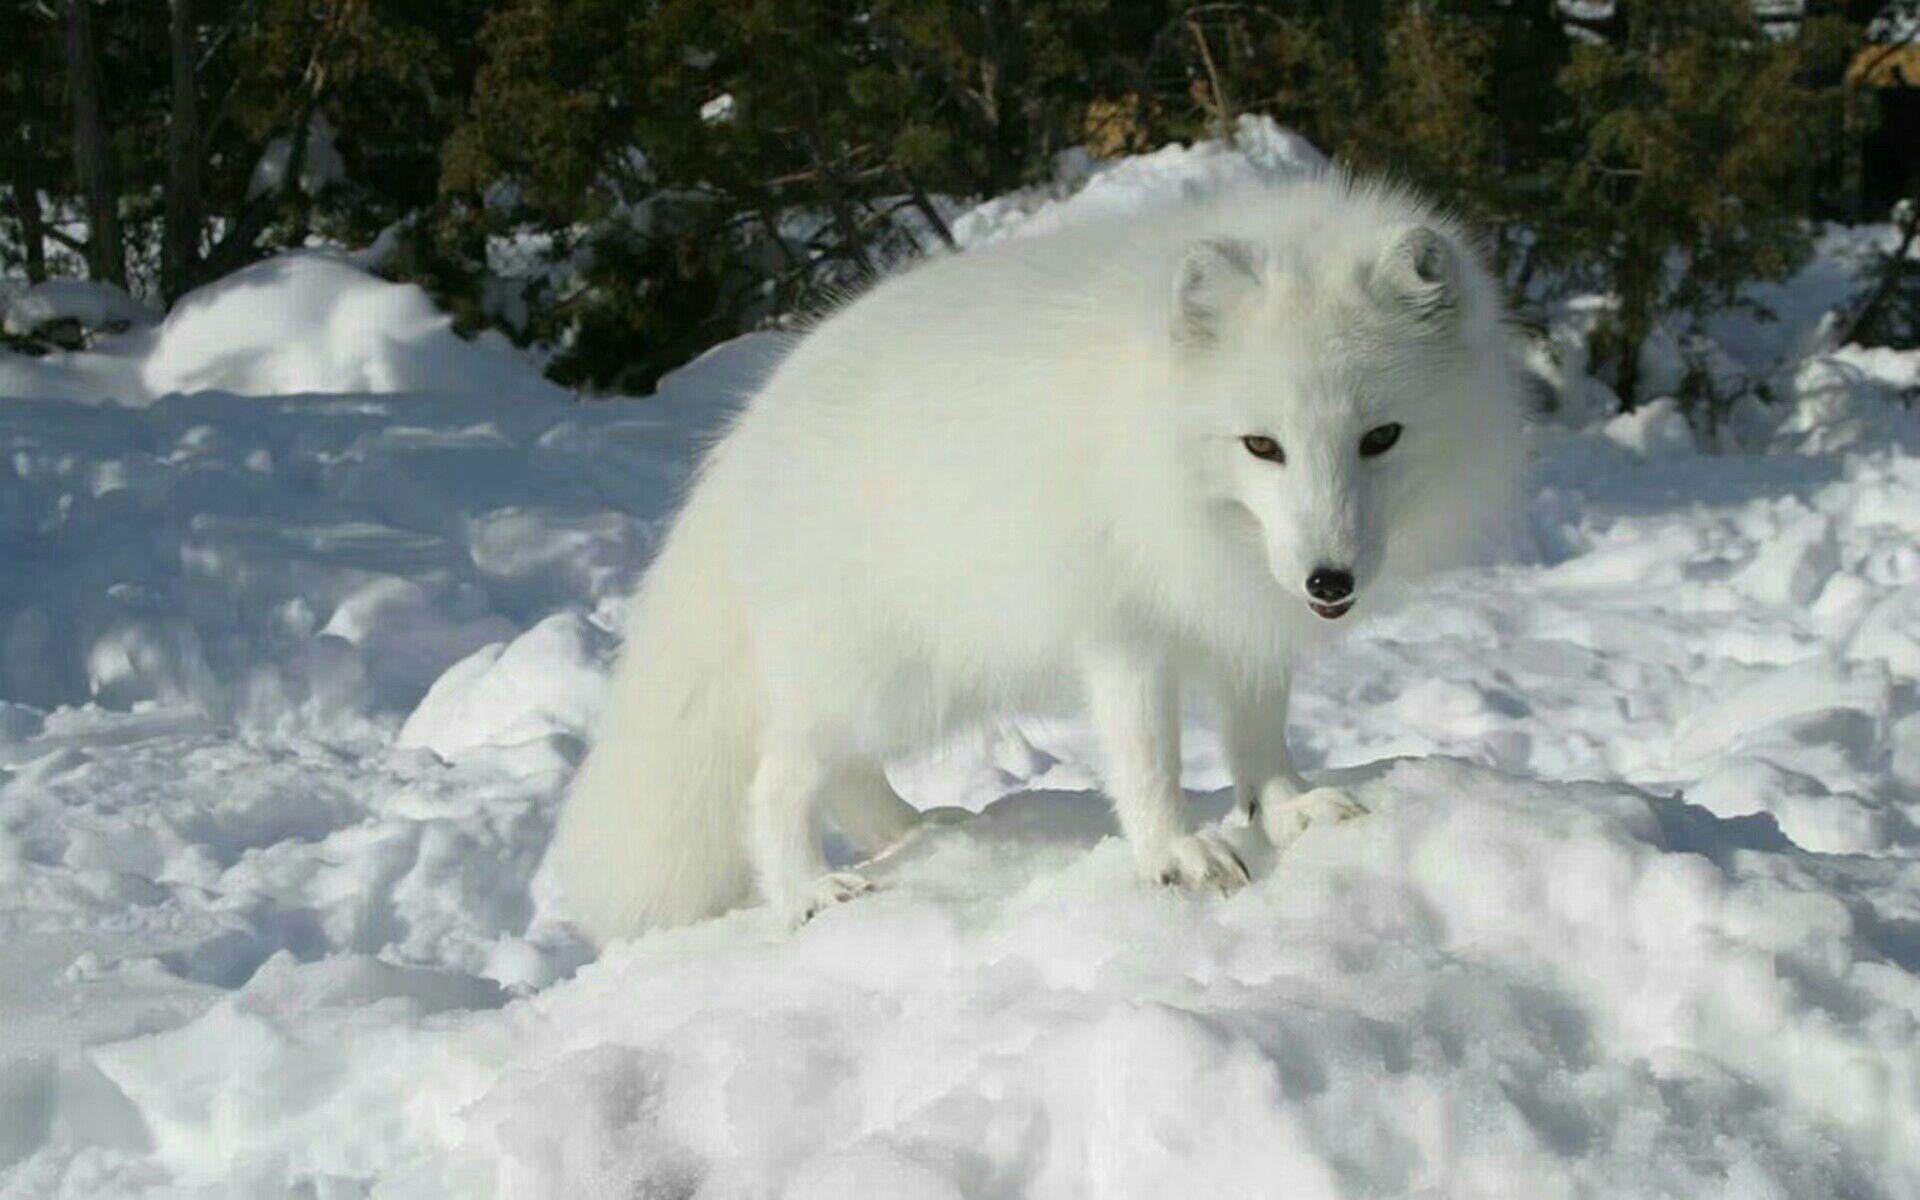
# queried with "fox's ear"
point(1419, 271)
point(1217, 277)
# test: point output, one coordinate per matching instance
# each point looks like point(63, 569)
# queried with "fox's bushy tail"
point(652, 830)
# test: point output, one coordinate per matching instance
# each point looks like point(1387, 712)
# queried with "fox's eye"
point(1379, 440)
point(1264, 447)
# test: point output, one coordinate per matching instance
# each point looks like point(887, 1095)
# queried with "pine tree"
point(723, 164)
point(34, 150)
point(1700, 135)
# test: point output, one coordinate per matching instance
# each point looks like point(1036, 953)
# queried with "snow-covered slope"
point(291, 686)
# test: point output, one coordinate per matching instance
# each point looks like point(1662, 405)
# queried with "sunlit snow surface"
point(293, 684)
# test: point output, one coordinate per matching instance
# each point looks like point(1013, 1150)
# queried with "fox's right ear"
point(1217, 277)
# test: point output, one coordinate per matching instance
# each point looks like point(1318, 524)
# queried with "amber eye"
point(1264, 447)
point(1379, 440)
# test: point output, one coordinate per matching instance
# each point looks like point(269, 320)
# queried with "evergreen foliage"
point(624, 183)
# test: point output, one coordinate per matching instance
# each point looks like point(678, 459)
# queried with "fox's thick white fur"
point(1016, 479)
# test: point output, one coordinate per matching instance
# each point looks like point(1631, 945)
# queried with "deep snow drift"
point(291, 685)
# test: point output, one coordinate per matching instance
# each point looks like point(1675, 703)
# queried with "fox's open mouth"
point(1332, 612)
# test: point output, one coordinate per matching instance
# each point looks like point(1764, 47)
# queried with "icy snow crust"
point(292, 685)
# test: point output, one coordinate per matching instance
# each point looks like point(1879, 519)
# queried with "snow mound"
point(1656, 430)
point(1490, 987)
point(303, 323)
point(93, 306)
point(544, 682)
point(1086, 188)
point(1855, 396)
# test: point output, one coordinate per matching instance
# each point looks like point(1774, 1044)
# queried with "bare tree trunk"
point(1629, 375)
point(26, 209)
point(1003, 83)
point(1523, 278)
point(180, 249)
point(33, 234)
point(106, 251)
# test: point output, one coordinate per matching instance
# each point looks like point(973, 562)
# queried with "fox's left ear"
point(1217, 278)
point(1419, 272)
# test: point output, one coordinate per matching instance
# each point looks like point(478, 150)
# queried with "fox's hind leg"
point(867, 811)
point(784, 805)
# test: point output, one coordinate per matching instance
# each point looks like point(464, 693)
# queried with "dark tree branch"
point(922, 202)
point(1892, 269)
point(237, 246)
point(26, 207)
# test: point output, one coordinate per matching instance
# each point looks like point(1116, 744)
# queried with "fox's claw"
point(1285, 821)
point(1203, 859)
point(827, 891)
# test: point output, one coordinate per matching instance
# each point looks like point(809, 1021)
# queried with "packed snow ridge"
point(306, 606)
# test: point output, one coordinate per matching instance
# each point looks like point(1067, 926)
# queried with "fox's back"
point(941, 439)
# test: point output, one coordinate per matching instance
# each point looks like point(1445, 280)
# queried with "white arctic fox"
point(1088, 467)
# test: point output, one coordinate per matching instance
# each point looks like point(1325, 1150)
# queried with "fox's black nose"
point(1330, 585)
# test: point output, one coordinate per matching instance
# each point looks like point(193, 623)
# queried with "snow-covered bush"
point(69, 314)
point(317, 323)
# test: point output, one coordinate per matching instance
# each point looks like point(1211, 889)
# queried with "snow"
point(312, 323)
point(543, 682)
point(1897, 21)
point(1084, 187)
point(94, 306)
point(307, 608)
point(321, 167)
point(1658, 429)
point(298, 323)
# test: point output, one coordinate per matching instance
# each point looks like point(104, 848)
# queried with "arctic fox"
point(1088, 467)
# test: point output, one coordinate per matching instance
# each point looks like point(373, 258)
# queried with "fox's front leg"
point(1133, 700)
point(1266, 788)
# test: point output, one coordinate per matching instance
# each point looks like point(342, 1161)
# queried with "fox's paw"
point(1285, 820)
point(825, 892)
point(1198, 860)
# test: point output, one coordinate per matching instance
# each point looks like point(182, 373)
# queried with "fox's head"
point(1353, 405)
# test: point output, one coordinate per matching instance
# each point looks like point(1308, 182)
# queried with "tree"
point(1699, 137)
point(159, 152)
point(106, 249)
point(704, 167)
point(1458, 97)
point(185, 215)
point(34, 151)
point(672, 173)
point(367, 89)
